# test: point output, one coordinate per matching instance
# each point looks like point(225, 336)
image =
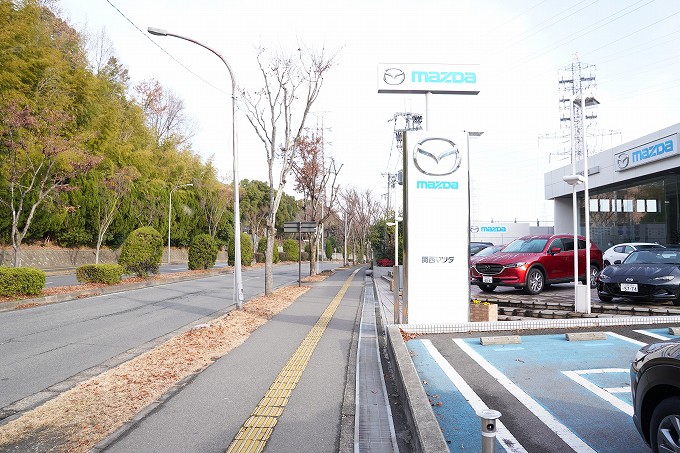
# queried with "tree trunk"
point(269, 261)
point(313, 258)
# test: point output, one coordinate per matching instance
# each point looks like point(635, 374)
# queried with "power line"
point(164, 51)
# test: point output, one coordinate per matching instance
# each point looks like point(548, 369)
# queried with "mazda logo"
point(629, 279)
point(393, 76)
point(622, 160)
point(436, 156)
point(474, 229)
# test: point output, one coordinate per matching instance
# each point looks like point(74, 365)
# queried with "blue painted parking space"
point(581, 388)
point(454, 403)
point(658, 334)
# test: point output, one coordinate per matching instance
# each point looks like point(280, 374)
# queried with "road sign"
point(299, 227)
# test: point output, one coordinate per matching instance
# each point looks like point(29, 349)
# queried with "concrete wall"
point(58, 258)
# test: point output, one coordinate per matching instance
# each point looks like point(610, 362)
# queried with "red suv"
point(532, 262)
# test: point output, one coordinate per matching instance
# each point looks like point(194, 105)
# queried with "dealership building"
point(633, 192)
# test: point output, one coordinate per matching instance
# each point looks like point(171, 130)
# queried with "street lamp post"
point(238, 285)
point(170, 213)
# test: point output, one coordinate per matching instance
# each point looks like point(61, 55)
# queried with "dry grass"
point(79, 418)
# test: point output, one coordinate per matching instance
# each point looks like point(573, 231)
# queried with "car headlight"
point(665, 278)
point(516, 265)
point(603, 277)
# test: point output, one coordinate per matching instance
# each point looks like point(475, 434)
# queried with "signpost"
point(299, 228)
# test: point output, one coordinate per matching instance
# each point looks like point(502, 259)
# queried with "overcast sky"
point(521, 46)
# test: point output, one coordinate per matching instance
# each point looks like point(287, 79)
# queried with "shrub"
point(202, 252)
point(246, 250)
point(141, 252)
point(262, 248)
point(385, 262)
point(291, 249)
point(100, 273)
point(15, 281)
point(304, 256)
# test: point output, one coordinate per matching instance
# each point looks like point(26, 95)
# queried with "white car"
point(620, 251)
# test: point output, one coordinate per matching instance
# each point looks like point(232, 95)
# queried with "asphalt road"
point(46, 349)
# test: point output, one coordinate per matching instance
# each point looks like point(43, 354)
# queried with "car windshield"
point(489, 250)
point(526, 246)
point(662, 256)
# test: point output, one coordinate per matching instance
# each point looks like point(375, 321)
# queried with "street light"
point(238, 285)
point(170, 213)
point(573, 180)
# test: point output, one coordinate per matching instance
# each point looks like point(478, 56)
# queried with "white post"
point(586, 197)
point(169, 217)
point(573, 195)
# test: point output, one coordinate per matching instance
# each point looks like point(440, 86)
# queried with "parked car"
point(655, 387)
point(619, 252)
point(485, 252)
point(476, 247)
point(532, 262)
point(651, 274)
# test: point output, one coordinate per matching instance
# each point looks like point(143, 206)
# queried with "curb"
point(58, 298)
point(426, 434)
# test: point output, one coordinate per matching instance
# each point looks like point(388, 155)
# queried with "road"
point(45, 349)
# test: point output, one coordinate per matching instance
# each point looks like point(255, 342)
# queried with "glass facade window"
point(648, 212)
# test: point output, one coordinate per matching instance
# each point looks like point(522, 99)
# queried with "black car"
point(652, 275)
point(655, 386)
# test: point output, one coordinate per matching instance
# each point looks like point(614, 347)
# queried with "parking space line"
point(628, 339)
point(652, 334)
point(571, 439)
point(504, 436)
point(577, 377)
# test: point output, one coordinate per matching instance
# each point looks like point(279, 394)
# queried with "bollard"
point(489, 417)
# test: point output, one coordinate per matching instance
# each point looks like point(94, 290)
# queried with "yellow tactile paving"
point(257, 429)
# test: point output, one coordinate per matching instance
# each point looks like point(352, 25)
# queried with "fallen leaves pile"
point(79, 418)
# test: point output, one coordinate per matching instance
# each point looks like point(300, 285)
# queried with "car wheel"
point(604, 298)
point(593, 275)
point(487, 288)
point(664, 426)
point(535, 281)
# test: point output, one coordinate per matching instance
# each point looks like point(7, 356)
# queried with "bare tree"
point(362, 212)
point(109, 193)
point(100, 50)
point(277, 113)
point(40, 157)
point(213, 199)
point(165, 113)
point(315, 178)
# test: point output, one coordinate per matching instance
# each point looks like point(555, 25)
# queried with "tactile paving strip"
point(258, 428)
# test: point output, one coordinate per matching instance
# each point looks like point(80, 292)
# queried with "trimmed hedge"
point(100, 273)
point(291, 249)
point(262, 248)
point(246, 250)
point(202, 252)
point(21, 281)
point(141, 252)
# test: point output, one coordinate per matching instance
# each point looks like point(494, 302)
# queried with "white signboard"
point(436, 222)
point(428, 78)
point(645, 154)
point(498, 233)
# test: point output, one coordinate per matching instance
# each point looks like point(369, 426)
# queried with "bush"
point(246, 250)
point(291, 250)
point(304, 256)
point(141, 252)
point(262, 248)
point(202, 252)
point(100, 273)
point(385, 262)
point(21, 281)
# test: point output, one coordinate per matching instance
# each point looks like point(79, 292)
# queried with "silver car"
point(619, 252)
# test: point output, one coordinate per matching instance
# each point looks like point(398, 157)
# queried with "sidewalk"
point(337, 403)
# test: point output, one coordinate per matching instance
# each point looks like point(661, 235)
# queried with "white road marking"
point(504, 436)
point(653, 335)
point(599, 391)
point(629, 340)
point(564, 433)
